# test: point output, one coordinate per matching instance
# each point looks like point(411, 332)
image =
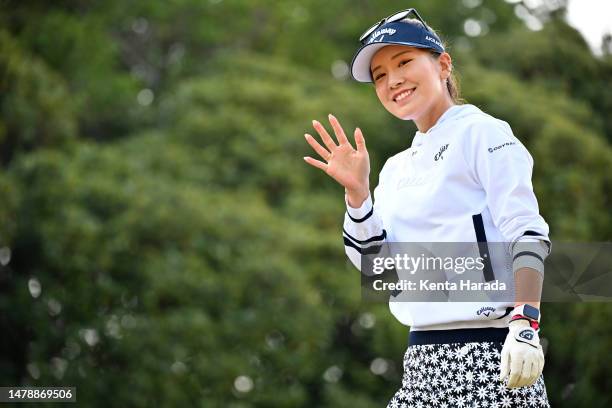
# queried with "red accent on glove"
point(534, 324)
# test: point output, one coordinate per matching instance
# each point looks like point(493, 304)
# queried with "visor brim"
point(360, 65)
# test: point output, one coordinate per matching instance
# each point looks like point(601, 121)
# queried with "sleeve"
point(363, 231)
point(503, 167)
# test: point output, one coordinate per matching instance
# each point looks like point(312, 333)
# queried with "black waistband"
point(492, 334)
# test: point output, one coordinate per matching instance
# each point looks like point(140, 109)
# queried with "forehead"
point(386, 53)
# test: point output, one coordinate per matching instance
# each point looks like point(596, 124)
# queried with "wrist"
point(356, 198)
point(527, 311)
point(519, 323)
point(522, 321)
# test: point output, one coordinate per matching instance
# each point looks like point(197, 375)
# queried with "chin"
point(404, 114)
point(410, 111)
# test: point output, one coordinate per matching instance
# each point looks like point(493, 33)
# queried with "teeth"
point(404, 95)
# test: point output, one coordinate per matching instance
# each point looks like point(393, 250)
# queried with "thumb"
point(360, 141)
point(504, 368)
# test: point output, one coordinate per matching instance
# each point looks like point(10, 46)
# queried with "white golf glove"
point(522, 358)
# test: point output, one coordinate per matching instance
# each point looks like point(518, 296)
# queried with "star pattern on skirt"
point(461, 375)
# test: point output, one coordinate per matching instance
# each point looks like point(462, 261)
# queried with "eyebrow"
point(393, 57)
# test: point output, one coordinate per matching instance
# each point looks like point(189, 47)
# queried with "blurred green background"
point(162, 242)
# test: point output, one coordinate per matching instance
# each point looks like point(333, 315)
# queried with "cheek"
point(380, 95)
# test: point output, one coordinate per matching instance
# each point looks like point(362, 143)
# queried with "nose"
point(395, 79)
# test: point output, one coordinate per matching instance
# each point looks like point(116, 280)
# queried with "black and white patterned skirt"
point(460, 368)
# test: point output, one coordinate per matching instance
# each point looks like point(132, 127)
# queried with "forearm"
point(528, 287)
point(528, 265)
point(363, 230)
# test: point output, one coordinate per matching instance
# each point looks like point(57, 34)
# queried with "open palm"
point(348, 166)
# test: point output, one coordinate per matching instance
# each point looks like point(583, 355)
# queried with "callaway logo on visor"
point(374, 37)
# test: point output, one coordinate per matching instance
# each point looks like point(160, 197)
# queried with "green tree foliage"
point(559, 58)
point(35, 103)
point(570, 156)
point(79, 47)
point(193, 259)
point(184, 306)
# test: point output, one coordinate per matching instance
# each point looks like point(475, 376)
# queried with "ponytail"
point(452, 83)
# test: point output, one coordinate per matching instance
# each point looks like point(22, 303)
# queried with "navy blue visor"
point(387, 33)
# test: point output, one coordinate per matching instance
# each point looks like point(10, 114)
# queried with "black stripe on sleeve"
point(372, 250)
point(365, 217)
point(380, 237)
point(528, 253)
point(535, 234)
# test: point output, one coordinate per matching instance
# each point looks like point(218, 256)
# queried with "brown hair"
point(452, 84)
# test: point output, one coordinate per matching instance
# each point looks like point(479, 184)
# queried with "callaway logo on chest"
point(419, 168)
point(438, 155)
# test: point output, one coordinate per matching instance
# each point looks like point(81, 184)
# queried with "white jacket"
point(467, 170)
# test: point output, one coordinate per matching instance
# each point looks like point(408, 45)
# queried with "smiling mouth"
point(404, 95)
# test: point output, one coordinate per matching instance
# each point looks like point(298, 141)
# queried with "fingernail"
point(315, 122)
point(331, 116)
point(306, 135)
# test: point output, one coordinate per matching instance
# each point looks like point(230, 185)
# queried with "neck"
point(426, 122)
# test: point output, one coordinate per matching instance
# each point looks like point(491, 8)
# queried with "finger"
point(338, 130)
point(329, 142)
point(540, 366)
point(360, 141)
point(317, 147)
point(531, 374)
point(525, 376)
point(535, 372)
point(316, 163)
point(504, 366)
point(516, 367)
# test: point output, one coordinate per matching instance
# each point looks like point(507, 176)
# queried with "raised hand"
point(349, 167)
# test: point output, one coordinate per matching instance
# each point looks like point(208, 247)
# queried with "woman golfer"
point(465, 178)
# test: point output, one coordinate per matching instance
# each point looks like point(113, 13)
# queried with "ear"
point(446, 65)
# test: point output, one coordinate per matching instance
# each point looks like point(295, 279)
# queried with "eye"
point(404, 62)
point(378, 77)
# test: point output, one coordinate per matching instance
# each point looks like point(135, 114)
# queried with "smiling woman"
point(465, 179)
point(411, 83)
point(431, 67)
